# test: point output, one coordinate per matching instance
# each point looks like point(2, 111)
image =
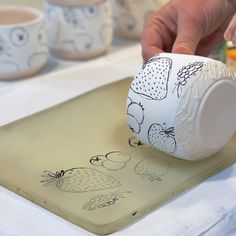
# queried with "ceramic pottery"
point(23, 42)
point(183, 105)
point(129, 16)
point(79, 31)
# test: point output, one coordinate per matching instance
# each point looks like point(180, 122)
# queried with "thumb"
point(188, 37)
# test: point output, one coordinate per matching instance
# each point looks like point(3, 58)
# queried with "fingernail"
point(182, 50)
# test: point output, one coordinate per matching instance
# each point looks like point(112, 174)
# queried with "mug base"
point(22, 74)
point(69, 55)
point(216, 118)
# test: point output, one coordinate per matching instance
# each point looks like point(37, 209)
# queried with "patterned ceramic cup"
point(23, 42)
point(183, 105)
point(129, 16)
point(79, 30)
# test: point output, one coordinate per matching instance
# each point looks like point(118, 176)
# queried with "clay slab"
point(80, 161)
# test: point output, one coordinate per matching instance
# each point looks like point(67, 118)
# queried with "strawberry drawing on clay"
point(80, 180)
point(152, 82)
point(162, 138)
point(135, 115)
point(103, 200)
point(152, 168)
point(112, 161)
point(186, 73)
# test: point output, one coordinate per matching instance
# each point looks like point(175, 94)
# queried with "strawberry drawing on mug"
point(152, 82)
point(163, 138)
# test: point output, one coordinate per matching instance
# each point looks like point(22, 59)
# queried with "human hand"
point(187, 27)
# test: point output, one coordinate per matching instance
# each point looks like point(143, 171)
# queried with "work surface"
point(209, 208)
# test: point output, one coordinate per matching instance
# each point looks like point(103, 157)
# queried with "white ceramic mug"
point(79, 31)
point(183, 105)
point(129, 16)
point(23, 42)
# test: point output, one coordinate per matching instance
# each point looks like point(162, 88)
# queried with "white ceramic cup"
point(183, 105)
point(79, 31)
point(23, 42)
point(129, 16)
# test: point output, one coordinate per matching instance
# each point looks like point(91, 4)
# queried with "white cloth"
point(208, 209)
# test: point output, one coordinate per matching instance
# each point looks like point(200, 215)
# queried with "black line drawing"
point(72, 17)
point(152, 82)
point(90, 12)
point(135, 114)
point(135, 143)
point(106, 32)
point(129, 101)
point(9, 66)
point(83, 42)
point(68, 45)
point(185, 73)
point(37, 59)
point(112, 161)
point(162, 138)
point(80, 180)
point(19, 36)
point(152, 169)
point(104, 200)
point(4, 48)
point(137, 110)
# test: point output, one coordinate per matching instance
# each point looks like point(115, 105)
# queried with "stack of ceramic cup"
point(79, 29)
point(129, 16)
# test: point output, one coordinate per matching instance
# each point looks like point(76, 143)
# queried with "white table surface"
point(207, 209)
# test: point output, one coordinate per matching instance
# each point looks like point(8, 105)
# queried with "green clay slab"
point(80, 161)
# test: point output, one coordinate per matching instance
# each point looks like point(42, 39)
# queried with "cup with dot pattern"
point(23, 42)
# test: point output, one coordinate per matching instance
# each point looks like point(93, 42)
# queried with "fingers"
point(157, 35)
point(188, 37)
point(149, 50)
point(151, 40)
point(207, 45)
point(230, 33)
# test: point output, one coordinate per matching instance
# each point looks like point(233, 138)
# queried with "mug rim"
point(39, 16)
